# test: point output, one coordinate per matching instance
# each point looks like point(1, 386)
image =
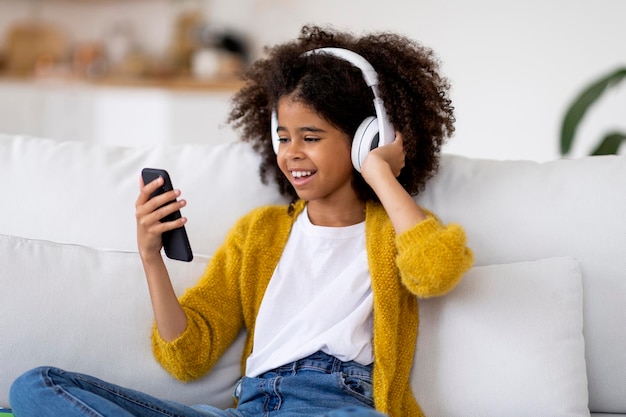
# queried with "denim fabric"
point(319, 385)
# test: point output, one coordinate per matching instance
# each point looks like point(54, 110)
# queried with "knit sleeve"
point(214, 315)
point(432, 258)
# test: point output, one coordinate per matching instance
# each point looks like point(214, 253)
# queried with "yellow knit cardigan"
point(427, 260)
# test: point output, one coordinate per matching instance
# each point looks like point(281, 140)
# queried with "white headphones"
point(373, 131)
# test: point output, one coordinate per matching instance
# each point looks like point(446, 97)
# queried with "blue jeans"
point(319, 385)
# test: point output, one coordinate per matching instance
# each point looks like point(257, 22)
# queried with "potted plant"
point(611, 142)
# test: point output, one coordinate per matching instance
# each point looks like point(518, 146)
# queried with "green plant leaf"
point(582, 103)
point(610, 144)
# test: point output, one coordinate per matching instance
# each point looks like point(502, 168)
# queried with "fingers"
point(399, 141)
point(146, 189)
point(151, 204)
point(393, 154)
point(159, 208)
point(164, 212)
point(150, 226)
point(150, 211)
point(152, 216)
point(156, 227)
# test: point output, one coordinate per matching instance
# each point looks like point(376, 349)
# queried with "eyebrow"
point(303, 129)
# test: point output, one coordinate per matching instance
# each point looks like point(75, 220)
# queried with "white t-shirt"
point(319, 298)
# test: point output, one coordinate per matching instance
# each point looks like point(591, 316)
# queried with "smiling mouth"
point(301, 174)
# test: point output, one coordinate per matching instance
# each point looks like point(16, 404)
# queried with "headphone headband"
point(369, 73)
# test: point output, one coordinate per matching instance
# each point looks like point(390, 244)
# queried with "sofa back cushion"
point(74, 192)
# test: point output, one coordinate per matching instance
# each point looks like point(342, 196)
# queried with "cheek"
point(342, 164)
point(282, 163)
point(346, 157)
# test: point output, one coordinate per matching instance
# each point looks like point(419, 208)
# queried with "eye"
point(311, 139)
point(283, 139)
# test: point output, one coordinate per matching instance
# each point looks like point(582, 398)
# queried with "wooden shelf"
point(175, 83)
point(169, 83)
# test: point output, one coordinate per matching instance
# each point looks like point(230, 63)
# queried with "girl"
point(325, 287)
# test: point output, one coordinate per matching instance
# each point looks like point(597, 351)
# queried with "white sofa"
point(536, 329)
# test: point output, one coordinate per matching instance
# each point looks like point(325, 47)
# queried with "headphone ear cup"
point(365, 139)
point(274, 132)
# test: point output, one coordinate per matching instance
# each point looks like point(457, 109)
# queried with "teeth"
point(299, 174)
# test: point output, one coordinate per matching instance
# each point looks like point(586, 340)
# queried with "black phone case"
point(175, 242)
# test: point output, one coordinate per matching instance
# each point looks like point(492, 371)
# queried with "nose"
point(294, 149)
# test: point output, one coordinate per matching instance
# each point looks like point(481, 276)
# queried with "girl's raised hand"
point(387, 157)
point(381, 169)
point(149, 212)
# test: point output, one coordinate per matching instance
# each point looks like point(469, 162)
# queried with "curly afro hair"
point(414, 93)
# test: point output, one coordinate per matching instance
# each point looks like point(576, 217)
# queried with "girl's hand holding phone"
point(150, 211)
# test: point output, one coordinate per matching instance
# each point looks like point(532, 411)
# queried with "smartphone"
point(175, 242)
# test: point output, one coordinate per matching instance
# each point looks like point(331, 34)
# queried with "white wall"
point(514, 65)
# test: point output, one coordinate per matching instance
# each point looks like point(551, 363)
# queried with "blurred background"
point(136, 72)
